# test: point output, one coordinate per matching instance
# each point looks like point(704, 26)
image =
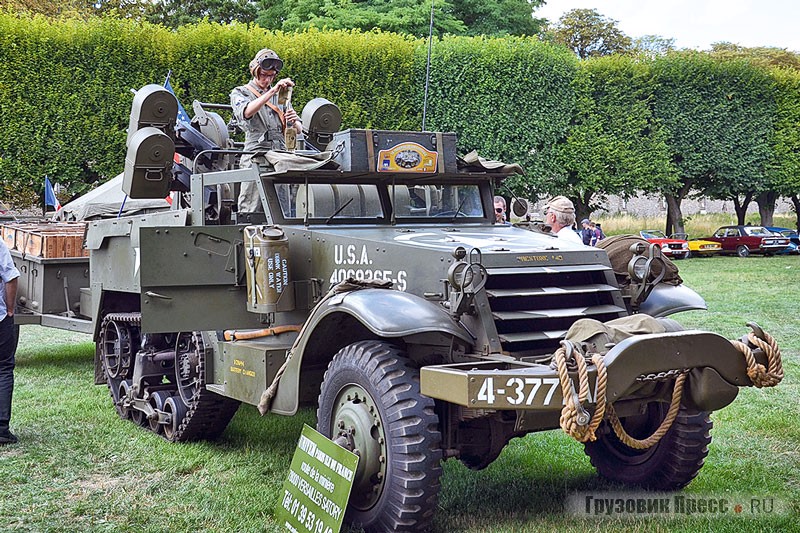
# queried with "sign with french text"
point(315, 494)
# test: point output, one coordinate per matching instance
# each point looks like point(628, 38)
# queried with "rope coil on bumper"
point(760, 376)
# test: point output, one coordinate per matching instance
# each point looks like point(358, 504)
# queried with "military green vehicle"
point(376, 287)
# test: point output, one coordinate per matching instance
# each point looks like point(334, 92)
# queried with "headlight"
point(637, 268)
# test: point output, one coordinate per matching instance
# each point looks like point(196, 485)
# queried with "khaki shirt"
point(263, 131)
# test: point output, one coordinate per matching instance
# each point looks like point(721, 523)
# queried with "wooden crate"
point(9, 235)
point(51, 241)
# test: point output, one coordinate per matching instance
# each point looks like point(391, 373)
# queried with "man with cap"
point(559, 214)
point(587, 232)
point(255, 106)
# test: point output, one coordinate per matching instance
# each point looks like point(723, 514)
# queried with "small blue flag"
point(50, 195)
point(182, 115)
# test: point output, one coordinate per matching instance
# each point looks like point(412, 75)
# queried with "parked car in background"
point(746, 240)
point(672, 248)
point(794, 239)
point(699, 247)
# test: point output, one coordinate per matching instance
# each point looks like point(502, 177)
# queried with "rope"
point(575, 419)
point(652, 440)
point(758, 374)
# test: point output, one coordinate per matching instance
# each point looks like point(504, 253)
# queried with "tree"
point(175, 13)
point(412, 17)
point(614, 145)
point(76, 8)
point(763, 56)
point(590, 34)
point(652, 46)
point(784, 168)
point(502, 17)
point(400, 16)
point(719, 115)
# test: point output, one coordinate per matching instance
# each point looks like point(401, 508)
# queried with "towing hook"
point(581, 415)
point(757, 331)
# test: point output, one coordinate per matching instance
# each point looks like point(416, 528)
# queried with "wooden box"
point(50, 241)
point(9, 235)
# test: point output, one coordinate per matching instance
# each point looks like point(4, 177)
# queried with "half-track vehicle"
point(375, 286)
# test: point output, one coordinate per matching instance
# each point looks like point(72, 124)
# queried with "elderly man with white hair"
point(559, 214)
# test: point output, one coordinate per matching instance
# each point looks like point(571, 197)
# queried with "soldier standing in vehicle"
point(255, 106)
point(560, 216)
point(9, 333)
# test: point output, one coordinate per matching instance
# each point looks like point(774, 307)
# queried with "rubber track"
point(209, 414)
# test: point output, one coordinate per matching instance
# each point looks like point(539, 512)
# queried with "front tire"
point(370, 396)
point(669, 465)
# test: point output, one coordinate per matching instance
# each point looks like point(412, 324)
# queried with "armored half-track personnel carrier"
point(375, 285)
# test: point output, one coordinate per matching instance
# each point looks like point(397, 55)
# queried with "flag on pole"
point(182, 114)
point(50, 195)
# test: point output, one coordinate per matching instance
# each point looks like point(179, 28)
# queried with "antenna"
point(427, 69)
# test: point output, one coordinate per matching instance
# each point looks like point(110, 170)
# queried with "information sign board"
point(314, 496)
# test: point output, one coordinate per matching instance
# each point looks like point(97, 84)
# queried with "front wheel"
point(669, 465)
point(370, 398)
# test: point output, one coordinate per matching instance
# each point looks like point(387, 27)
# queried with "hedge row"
point(66, 111)
point(584, 128)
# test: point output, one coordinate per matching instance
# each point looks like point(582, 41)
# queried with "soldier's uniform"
point(263, 131)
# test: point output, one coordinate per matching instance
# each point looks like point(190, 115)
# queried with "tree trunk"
point(741, 207)
point(674, 215)
point(766, 206)
point(796, 202)
point(583, 207)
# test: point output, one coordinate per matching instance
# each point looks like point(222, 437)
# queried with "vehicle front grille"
point(534, 307)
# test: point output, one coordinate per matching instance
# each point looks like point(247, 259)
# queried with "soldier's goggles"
point(269, 63)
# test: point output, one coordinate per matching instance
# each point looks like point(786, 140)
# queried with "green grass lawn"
point(80, 468)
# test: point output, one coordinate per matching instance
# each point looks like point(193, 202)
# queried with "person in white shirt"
point(559, 214)
point(9, 333)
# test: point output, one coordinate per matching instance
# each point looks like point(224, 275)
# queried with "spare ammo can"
point(266, 251)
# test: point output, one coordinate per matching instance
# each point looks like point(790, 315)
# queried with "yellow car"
point(699, 247)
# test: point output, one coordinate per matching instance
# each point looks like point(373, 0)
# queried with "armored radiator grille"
point(534, 307)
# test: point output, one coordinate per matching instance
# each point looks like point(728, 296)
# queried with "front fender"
point(385, 313)
point(667, 299)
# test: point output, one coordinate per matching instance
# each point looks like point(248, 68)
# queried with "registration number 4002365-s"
point(518, 391)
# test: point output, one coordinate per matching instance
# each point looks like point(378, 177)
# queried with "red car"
point(672, 248)
point(746, 240)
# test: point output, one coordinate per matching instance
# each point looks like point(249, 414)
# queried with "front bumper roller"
point(717, 369)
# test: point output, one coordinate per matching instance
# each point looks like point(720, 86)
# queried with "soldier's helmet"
point(265, 59)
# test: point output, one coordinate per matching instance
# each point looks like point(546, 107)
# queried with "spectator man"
point(500, 210)
point(586, 232)
point(559, 214)
point(9, 333)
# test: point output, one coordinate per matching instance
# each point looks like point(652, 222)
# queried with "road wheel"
point(370, 398)
point(742, 250)
point(176, 412)
point(669, 465)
